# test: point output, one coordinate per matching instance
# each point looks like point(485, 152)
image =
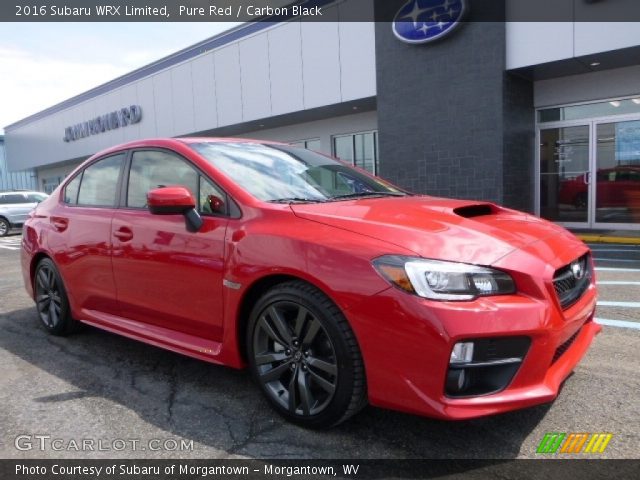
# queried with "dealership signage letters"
point(110, 121)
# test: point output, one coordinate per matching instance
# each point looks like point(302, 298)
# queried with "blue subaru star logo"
point(422, 21)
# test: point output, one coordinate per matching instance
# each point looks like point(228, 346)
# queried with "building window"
point(49, 184)
point(590, 110)
point(359, 149)
point(311, 144)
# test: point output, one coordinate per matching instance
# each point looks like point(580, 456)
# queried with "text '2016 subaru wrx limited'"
point(333, 286)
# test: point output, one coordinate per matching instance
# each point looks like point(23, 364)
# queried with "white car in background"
point(15, 206)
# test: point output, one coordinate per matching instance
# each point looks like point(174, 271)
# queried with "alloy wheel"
point(295, 358)
point(48, 296)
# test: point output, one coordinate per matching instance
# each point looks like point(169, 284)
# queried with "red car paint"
point(146, 277)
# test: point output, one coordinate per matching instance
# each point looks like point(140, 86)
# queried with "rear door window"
point(100, 182)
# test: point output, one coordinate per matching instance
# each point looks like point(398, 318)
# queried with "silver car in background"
point(15, 205)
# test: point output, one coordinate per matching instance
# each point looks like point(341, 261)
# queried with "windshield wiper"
point(368, 194)
point(297, 200)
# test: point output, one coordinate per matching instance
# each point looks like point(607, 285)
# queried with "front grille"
point(564, 347)
point(568, 287)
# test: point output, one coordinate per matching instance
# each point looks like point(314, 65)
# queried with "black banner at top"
point(315, 10)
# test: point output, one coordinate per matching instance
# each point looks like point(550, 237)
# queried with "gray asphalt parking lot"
point(103, 387)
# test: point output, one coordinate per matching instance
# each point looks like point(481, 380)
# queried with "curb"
point(590, 238)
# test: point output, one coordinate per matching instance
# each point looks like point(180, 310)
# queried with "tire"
point(52, 302)
point(5, 227)
point(580, 202)
point(304, 356)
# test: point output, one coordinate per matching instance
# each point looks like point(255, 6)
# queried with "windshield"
point(284, 173)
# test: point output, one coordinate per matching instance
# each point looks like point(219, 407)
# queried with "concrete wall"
point(284, 69)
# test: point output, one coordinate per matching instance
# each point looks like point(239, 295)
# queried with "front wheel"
point(51, 300)
point(305, 357)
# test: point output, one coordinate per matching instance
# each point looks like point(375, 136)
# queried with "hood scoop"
point(476, 210)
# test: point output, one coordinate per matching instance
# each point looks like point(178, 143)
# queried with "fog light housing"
point(462, 353)
point(484, 365)
point(457, 380)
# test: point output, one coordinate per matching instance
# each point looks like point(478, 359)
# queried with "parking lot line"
point(622, 260)
point(618, 323)
point(615, 269)
point(616, 282)
point(619, 304)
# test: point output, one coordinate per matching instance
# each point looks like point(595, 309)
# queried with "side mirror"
point(170, 200)
point(175, 200)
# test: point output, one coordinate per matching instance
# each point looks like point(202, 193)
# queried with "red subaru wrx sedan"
point(333, 286)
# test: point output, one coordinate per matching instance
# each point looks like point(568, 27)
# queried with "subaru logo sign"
point(423, 21)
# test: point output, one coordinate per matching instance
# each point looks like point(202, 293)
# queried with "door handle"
point(587, 178)
point(59, 223)
point(124, 234)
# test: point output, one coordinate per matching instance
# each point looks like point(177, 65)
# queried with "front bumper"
point(406, 343)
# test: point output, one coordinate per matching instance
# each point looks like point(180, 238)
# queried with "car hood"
point(438, 228)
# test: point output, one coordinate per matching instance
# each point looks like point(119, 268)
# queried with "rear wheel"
point(51, 300)
point(5, 227)
point(304, 356)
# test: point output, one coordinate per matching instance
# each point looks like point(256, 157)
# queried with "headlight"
point(439, 280)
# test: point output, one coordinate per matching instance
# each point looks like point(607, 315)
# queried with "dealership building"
point(539, 116)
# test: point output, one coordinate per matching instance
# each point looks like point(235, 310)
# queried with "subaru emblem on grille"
point(577, 270)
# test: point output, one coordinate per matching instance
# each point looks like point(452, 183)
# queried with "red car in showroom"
point(333, 286)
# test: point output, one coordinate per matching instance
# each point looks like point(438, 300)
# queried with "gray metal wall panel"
point(204, 91)
point(164, 104)
point(228, 85)
point(129, 96)
point(595, 37)
point(532, 43)
point(320, 63)
point(144, 89)
point(285, 55)
point(256, 83)
point(182, 99)
point(357, 60)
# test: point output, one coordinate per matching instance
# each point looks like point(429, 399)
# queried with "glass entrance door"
point(617, 175)
point(565, 174)
point(590, 174)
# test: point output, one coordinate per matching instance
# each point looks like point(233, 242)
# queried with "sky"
point(42, 64)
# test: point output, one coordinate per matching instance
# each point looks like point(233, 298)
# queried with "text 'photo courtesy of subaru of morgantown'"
point(334, 287)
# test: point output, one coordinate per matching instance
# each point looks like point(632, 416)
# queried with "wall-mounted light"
point(615, 103)
point(636, 101)
point(595, 64)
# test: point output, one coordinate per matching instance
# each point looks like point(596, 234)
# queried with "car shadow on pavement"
point(219, 408)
